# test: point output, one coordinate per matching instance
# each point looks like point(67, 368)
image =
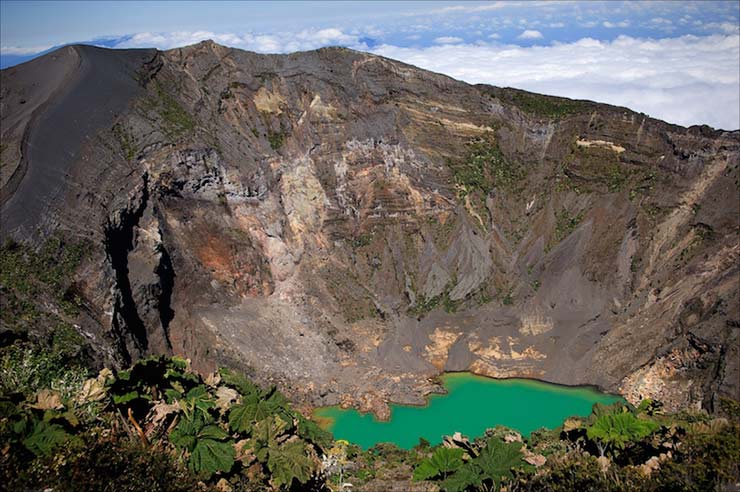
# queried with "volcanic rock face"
point(348, 226)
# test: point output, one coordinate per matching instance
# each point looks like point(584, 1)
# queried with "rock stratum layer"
point(348, 226)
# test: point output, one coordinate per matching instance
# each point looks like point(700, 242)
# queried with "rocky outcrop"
point(348, 226)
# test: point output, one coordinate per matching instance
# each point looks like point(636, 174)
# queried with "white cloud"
point(611, 25)
point(281, 42)
point(178, 38)
point(469, 9)
point(494, 36)
point(685, 80)
point(22, 50)
point(530, 34)
point(726, 27)
point(448, 40)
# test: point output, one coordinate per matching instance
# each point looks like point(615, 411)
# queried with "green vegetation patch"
point(364, 239)
point(27, 368)
point(485, 168)
point(617, 177)
point(126, 140)
point(703, 234)
point(565, 223)
point(596, 169)
point(442, 230)
point(546, 106)
point(488, 469)
point(425, 305)
point(28, 276)
point(177, 121)
point(508, 298)
point(276, 139)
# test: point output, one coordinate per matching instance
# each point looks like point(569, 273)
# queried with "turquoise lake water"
point(472, 404)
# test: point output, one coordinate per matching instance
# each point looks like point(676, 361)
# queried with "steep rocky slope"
point(348, 226)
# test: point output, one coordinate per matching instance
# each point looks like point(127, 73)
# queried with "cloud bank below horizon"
point(687, 80)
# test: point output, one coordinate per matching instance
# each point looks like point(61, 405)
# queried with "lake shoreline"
point(436, 379)
point(594, 387)
point(483, 401)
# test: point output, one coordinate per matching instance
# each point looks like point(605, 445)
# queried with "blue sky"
point(674, 60)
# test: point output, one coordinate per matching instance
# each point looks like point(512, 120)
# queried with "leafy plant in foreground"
point(226, 426)
point(45, 437)
point(618, 429)
point(443, 462)
point(208, 444)
point(494, 464)
point(152, 379)
point(254, 408)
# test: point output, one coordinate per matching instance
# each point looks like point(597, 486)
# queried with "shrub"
point(618, 430)
point(119, 464)
point(484, 168)
point(707, 460)
point(27, 369)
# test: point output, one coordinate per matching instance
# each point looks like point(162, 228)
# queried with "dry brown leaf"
point(534, 459)
point(571, 424)
point(47, 399)
point(604, 463)
point(161, 410)
point(225, 396)
point(244, 451)
point(92, 390)
point(513, 437)
point(650, 466)
point(213, 379)
point(223, 486)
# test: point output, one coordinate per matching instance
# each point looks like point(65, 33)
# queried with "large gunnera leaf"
point(442, 462)
point(498, 458)
point(466, 476)
point(210, 451)
point(251, 410)
point(211, 456)
point(314, 434)
point(619, 429)
point(289, 462)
